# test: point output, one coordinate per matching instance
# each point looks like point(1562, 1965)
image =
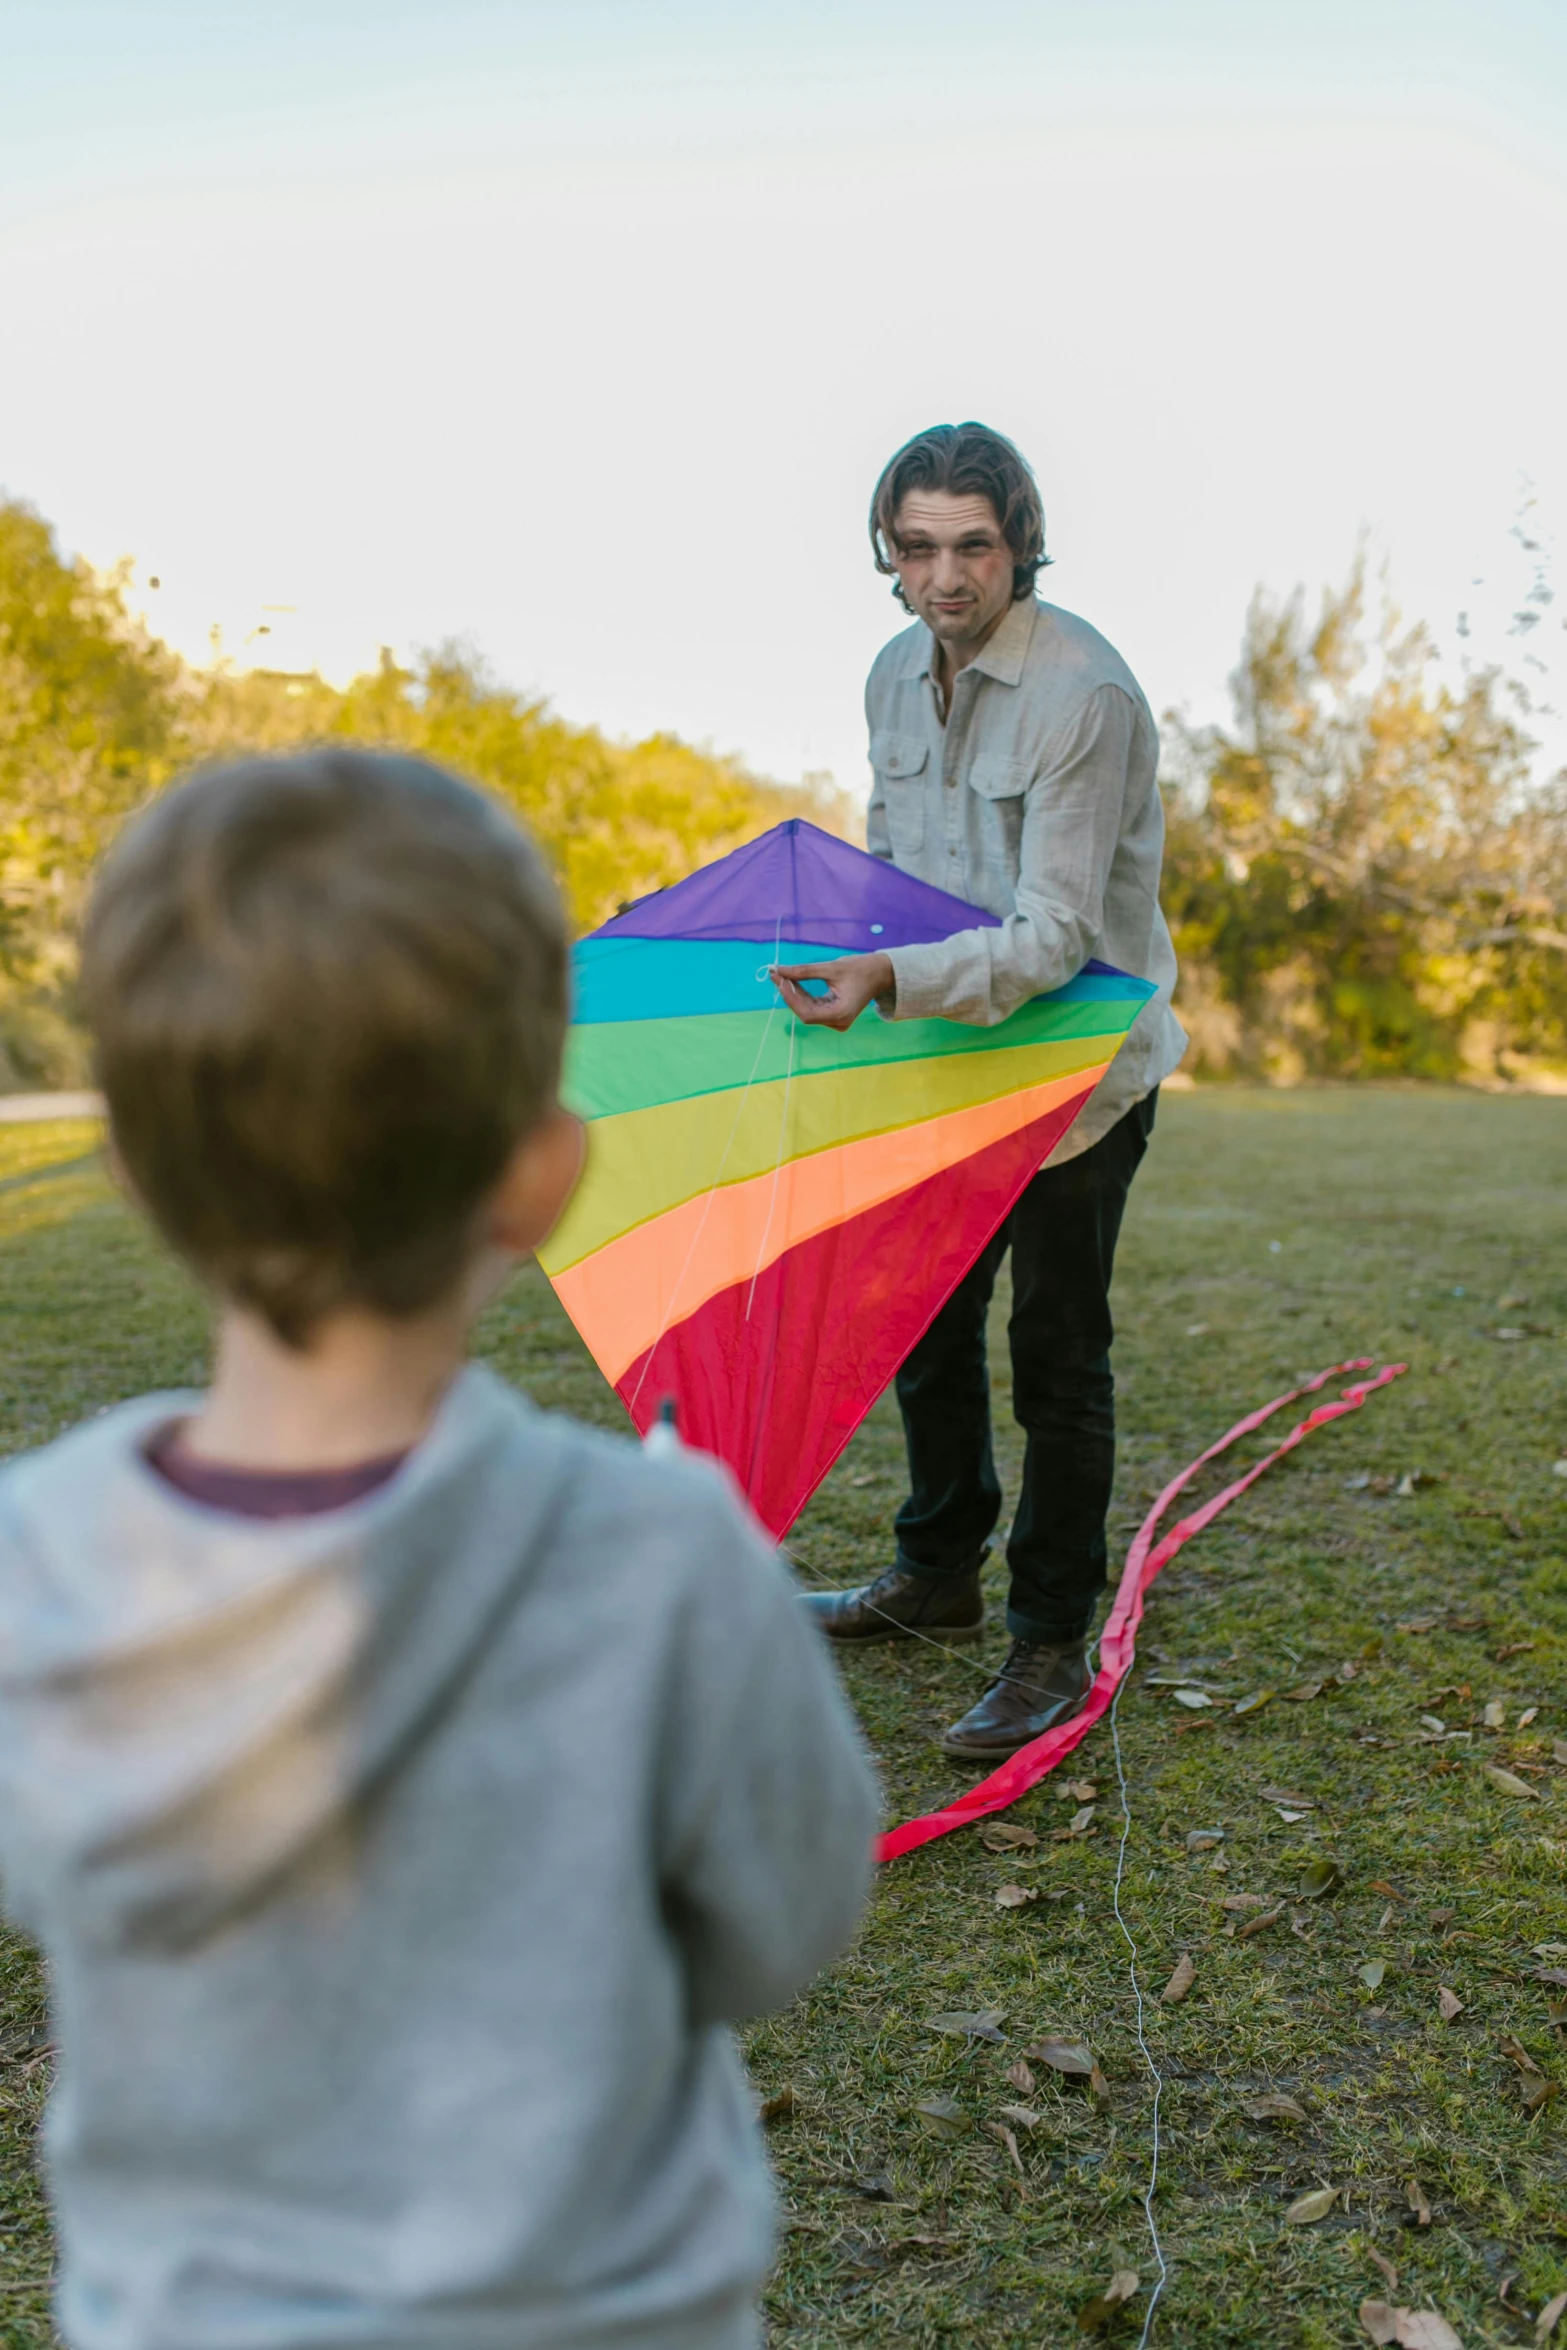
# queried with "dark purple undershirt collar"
point(264, 1493)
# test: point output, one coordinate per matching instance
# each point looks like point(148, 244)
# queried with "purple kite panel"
point(799, 882)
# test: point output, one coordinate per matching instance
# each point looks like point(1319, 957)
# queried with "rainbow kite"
point(773, 1213)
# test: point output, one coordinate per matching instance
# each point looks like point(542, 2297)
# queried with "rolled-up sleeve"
point(1072, 820)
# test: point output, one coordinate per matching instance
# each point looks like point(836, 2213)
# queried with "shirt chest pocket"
point(902, 762)
point(997, 786)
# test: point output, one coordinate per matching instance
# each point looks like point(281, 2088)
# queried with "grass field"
point(1269, 1235)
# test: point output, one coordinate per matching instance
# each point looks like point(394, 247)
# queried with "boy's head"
point(329, 995)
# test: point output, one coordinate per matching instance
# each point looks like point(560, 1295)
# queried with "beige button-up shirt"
point(1035, 796)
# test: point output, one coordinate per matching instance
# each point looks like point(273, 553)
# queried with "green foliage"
point(95, 715)
point(616, 820)
point(87, 728)
point(1362, 879)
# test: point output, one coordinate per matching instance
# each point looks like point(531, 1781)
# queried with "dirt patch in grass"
point(1269, 1235)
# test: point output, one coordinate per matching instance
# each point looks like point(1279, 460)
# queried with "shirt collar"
point(1001, 659)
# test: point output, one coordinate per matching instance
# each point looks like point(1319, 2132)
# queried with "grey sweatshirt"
point(399, 1870)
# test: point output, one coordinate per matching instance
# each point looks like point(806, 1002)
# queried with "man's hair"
point(329, 997)
point(969, 460)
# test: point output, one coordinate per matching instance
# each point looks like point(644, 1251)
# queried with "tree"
point(1363, 878)
point(87, 728)
point(95, 715)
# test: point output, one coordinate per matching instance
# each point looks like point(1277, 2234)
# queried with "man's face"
point(954, 565)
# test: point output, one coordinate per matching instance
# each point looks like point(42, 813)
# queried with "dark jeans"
point(1062, 1235)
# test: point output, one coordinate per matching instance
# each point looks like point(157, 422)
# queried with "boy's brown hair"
point(329, 996)
point(970, 460)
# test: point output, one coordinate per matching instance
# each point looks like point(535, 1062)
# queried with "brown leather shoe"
point(899, 1606)
point(1037, 1688)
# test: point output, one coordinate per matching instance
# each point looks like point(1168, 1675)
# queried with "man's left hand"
point(852, 982)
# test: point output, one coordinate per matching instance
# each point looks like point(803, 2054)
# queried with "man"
point(1015, 765)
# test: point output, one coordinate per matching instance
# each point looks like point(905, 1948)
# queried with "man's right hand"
point(852, 982)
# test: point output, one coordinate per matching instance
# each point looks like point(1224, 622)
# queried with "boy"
point(406, 1788)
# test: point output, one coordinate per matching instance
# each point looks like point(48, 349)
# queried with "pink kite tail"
point(1118, 1642)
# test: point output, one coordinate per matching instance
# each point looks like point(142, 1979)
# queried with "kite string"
point(712, 1189)
point(772, 1197)
point(1142, 2036)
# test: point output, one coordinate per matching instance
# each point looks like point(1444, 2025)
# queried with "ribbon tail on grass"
point(1118, 1642)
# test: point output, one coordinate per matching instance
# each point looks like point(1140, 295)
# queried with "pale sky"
point(579, 332)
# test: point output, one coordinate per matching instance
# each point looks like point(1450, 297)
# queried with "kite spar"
point(773, 1213)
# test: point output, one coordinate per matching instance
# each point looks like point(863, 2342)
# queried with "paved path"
point(28, 1109)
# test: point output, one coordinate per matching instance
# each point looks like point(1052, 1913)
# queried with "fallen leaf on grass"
point(1550, 2316)
point(1419, 2202)
point(1418, 1624)
point(1254, 1703)
point(1306, 2210)
point(1180, 1982)
point(1203, 1839)
point(943, 2118)
point(778, 2107)
point(1063, 2056)
point(1425, 2329)
point(1015, 1897)
point(1411, 2329)
point(1081, 1824)
point(1272, 2106)
point(1381, 1885)
point(1006, 1836)
point(1288, 1795)
point(1021, 2078)
point(1509, 1783)
point(1559, 1750)
point(1009, 2141)
point(1259, 1925)
point(1193, 1698)
point(1321, 1878)
point(1519, 2054)
point(1537, 2095)
point(1300, 1695)
point(1513, 1648)
point(1244, 1901)
point(1023, 2115)
point(969, 2027)
point(1076, 2061)
point(1103, 2306)
point(1382, 2261)
point(1372, 1974)
point(1449, 2002)
point(1495, 1715)
point(1080, 1790)
point(1530, 1714)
